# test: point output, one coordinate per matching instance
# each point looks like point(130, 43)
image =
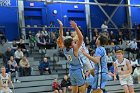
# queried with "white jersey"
point(122, 66)
point(4, 80)
point(86, 63)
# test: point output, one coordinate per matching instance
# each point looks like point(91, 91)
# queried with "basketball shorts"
point(126, 81)
point(6, 90)
point(77, 77)
point(100, 81)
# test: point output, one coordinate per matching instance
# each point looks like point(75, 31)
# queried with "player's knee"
point(60, 91)
point(82, 89)
point(131, 89)
point(126, 90)
point(56, 91)
point(74, 89)
point(97, 91)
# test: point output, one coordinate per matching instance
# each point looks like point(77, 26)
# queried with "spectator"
point(133, 48)
point(44, 32)
point(95, 33)
point(14, 46)
point(92, 42)
point(53, 40)
point(87, 41)
point(125, 32)
point(111, 72)
point(44, 66)
point(60, 52)
point(136, 74)
point(56, 87)
point(7, 55)
point(32, 40)
point(104, 27)
point(25, 69)
point(65, 84)
point(41, 42)
point(38, 34)
point(23, 48)
point(109, 59)
point(120, 37)
point(18, 55)
point(13, 69)
point(113, 37)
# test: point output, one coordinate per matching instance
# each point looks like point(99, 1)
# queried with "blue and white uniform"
point(85, 62)
point(101, 70)
point(77, 76)
point(4, 84)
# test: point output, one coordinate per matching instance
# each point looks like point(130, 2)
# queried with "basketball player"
point(124, 69)
point(86, 63)
point(71, 51)
point(101, 70)
point(4, 81)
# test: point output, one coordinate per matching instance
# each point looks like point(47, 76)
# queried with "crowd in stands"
point(43, 39)
point(15, 58)
point(15, 61)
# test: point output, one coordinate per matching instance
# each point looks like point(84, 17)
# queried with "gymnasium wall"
point(9, 19)
point(41, 14)
point(98, 17)
point(135, 12)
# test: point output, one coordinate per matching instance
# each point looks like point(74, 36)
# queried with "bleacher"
point(115, 87)
point(42, 84)
point(35, 84)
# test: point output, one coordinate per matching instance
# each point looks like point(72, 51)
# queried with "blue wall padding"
point(98, 17)
point(47, 15)
point(10, 20)
point(135, 12)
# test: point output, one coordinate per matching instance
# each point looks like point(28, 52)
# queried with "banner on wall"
point(5, 2)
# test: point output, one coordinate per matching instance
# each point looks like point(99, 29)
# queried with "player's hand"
point(60, 22)
point(73, 24)
point(115, 78)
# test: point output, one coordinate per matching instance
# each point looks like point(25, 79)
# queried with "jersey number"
point(69, 58)
point(4, 82)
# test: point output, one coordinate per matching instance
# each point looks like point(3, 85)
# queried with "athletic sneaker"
point(18, 81)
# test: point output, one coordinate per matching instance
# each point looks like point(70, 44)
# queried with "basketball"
point(59, 42)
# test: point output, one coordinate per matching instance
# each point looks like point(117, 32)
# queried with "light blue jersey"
point(101, 70)
point(77, 76)
point(85, 62)
point(101, 67)
point(74, 61)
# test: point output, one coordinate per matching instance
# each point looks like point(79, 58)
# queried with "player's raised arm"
point(79, 34)
point(60, 39)
point(92, 58)
point(61, 28)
